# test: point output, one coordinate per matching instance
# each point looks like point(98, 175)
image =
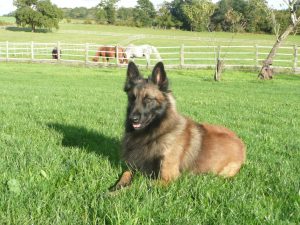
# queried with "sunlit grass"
point(60, 134)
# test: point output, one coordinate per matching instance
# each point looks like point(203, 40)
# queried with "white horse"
point(140, 51)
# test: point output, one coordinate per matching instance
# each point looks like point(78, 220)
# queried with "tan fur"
point(180, 144)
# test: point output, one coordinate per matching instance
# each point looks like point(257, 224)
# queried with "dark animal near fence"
point(55, 53)
point(110, 52)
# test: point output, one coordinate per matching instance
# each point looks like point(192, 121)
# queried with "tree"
point(164, 18)
point(176, 9)
point(234, 19)
point(125, 16)
point(258, 17)
point(144, 13)
point(227, 14)
point(79, 13)
point(266, 72)
point(106, 12)
point(198, 13)
point(37, 14)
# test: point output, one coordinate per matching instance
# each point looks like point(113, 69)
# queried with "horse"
point(109, 52)
point(55, 54)
point(140, 51)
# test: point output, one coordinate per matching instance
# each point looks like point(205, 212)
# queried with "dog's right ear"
point(133, 75)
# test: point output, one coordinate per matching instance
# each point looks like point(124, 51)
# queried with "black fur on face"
point(147, 98)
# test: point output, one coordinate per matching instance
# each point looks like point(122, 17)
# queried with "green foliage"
point(258, 17)
point(176, 10)
point(125, 16)
point(106, 11)
point(37, 14)
point(283, 19)
point(164, 19)
point(234, 20)
point(241, 15)
point(60, 134)
point(144, 13)
point(80, 13)
point(198, 13)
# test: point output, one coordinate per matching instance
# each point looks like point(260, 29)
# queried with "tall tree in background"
point(198, 13)
point(258, 17)
point(79, 13)
point(227, 13)
point(235, 20)
point(125, 16)
point(37, 14)
point(176, 9)
point(144, 13)
point(164, 18)
point(106, 12)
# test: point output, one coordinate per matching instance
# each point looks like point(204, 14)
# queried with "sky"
point(6, 6)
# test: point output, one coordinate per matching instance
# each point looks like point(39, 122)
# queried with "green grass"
point(7, 19)
point(60, 134)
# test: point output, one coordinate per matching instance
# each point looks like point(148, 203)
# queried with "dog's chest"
point(145, 156)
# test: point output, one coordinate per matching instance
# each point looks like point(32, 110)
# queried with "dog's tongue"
point(136, 125)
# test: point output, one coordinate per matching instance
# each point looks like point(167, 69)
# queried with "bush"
point(88, 22)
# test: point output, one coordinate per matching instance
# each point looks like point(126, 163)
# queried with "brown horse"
point(109, 52)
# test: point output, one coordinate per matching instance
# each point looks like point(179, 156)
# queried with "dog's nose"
point(135, 118)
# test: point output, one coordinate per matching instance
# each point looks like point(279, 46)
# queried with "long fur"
point(161, 143)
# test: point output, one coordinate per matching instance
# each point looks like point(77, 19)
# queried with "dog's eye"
point(148, 100)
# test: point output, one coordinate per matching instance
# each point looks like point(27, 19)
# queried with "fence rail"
point(184, 56)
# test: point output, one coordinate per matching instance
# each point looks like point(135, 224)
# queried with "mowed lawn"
point(60, 134)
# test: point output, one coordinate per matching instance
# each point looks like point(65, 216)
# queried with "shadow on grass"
point(26, 29)
point(89, 140)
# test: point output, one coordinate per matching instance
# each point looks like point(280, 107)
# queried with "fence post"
point(218, 53)
point(256, 56)
point(86, 53)
point(7, 51)
point(117, 55)
point(181, 55)
point(295, 57)
point(32, 50)
point(58, 51)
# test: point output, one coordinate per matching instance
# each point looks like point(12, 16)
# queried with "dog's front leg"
point(169, 171)
point(124, 181)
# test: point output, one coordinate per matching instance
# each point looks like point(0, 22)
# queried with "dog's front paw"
point(124, 181)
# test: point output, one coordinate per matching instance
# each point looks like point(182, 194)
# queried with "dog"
point(161, 143)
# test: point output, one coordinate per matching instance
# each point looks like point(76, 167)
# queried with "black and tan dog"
point(161, 143)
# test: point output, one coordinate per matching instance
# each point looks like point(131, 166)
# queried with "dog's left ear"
point(159, 77)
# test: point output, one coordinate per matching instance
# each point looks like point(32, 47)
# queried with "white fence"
point(176, 57)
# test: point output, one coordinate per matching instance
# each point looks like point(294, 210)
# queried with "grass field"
point(60, 133)
point(7, 19)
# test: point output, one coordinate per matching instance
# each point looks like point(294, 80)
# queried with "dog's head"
point(147, 98)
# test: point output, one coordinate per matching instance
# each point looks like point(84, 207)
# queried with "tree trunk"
point(266, 72)
point(33, 28)
point(219, 68)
